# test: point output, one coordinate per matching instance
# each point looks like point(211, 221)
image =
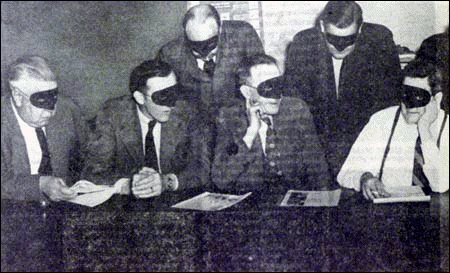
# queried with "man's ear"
point(359, 29)
point(438, 98)
point(139, 97)
point(16, 96)
point(246, 91)
point(322, 26)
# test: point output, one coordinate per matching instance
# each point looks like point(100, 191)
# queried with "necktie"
point(419, 177)
point(45, 168)
point(209, 67)
point(151, 159)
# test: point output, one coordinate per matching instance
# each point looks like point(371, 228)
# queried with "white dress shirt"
point(31, 141)
point(337, 65)
point(367, 152)
point(201, 62)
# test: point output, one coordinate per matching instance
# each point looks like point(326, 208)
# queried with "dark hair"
point(243, 70)
point(341, 13)
point(207, 11)
point(145, 71)
point(431, 58)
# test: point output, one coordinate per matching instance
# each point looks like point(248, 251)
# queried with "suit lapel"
point(17, 141)
point(129, 133)
point(192, 66)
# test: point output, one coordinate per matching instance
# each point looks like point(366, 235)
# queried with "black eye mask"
point(271, 88)
point(414, 97)
point(166, 97)
point(45, 99)
point(341, 42)
point(204, 47)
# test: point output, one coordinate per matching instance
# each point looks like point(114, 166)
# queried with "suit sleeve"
point(253, 42)
point(76, 157)
point(296, 64)
point(17, 186)
point(388, 76)
point(100, 151)
point(235, 166)
point(311, 152)
point(192, 157)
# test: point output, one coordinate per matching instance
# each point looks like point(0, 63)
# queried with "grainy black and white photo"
point(205, 136)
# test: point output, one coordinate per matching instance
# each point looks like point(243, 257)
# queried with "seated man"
point(267, 142)
point(403, 145)
point(42, 135)
point(149, 136)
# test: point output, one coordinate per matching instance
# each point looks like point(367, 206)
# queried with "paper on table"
point(92, 195)
point(211, 201)
point(311, 198)
point(404, 194)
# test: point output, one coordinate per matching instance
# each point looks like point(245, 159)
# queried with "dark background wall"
point(92, 46)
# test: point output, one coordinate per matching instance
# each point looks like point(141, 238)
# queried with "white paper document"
point(404, 194)
point(211, 201)
point(295, 198)
point(91, 195)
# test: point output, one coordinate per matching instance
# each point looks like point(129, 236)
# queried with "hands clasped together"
point(149, 183)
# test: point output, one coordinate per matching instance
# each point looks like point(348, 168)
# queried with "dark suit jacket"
point(115, 149)
point(237, 39)
point(369, 80)
point(66, 135)
point(294, 157)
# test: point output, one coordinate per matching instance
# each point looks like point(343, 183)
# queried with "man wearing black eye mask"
point(205, 57)
point(403, 145)
point(346, 70)
point(267, 142)
point(149, 136)
point(42, 135)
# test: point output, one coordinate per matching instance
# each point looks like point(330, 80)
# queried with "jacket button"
point(272, 164)
point(280, 173)
point(271, 145)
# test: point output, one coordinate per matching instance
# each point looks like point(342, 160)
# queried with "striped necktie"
point(419, 177)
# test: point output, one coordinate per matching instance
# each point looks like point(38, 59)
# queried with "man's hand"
point(55, 188)
point(146, 183)
point(430, 116)
point(373, 188)
point(254, 115)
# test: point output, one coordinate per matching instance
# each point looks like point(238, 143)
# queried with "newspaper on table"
point(91, 195)
point(297, 198)
point(208, 201)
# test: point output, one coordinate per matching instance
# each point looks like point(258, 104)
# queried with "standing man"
point(346, 70)
point(267, 142)
point(206, 56)
point(42, 135)
point(149, 136)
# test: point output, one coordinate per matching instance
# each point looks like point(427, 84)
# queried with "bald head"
point(201, 22)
